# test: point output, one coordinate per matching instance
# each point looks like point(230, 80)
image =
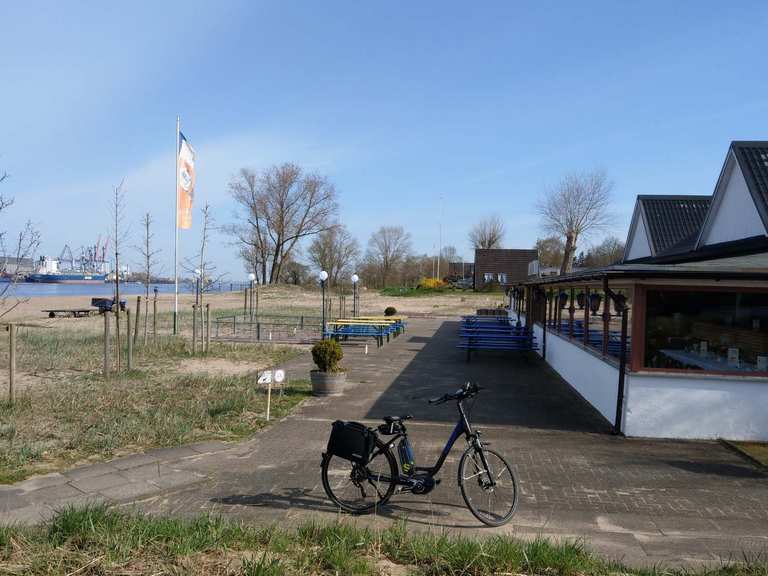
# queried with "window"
point(488, 277)
point(710, 331)
point(502, 278)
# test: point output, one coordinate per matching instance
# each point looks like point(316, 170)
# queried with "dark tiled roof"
point(753, 159)
point(671, 220)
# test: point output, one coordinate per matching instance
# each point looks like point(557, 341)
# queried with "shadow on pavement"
point(416, 511)
point(519, 389)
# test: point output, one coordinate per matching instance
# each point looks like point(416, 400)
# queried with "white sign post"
point(267, 377)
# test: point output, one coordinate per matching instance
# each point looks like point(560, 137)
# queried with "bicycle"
point(363, 478)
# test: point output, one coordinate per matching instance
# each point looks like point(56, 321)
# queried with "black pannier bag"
point(351, 441)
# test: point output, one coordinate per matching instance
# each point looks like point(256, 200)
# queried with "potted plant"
point(330, 377)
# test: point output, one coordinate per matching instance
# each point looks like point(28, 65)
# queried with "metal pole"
point(622, 369)
point(546, 328)
point(250, 301)
point(586, 316)
point(245, 300)
point(322, 326)
point(176, 236)
point(11, 361)
point(606, 316)
point(194, 329)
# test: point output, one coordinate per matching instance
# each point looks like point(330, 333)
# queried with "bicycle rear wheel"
point(492, 504)
point(359, 489)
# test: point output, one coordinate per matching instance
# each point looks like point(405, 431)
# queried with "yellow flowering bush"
point(431, 283)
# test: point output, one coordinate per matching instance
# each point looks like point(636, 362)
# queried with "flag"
point(186, 183)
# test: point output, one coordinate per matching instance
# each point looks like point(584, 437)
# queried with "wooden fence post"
point(154, 320)
point(136, 327)
point(194, 329)
point(106, 343)
point(207, 327)
point(129, 339)
point(11, 361)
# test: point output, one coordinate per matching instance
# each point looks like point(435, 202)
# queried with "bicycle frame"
point(463, 427)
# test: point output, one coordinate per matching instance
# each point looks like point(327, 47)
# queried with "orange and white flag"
point(186, 187)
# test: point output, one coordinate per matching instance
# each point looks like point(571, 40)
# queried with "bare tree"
point(388, 248)
point(488, 233)
point(609, 251)
point(550, 251)
point(200, 264)
point(119, 235)
point(22, 251)
point(575, 208)
point(278, 208)
point(335, 251)
point(149, 262)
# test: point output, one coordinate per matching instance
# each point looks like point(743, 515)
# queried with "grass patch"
point(756, 450)
point(92, 418)
point(98, 540)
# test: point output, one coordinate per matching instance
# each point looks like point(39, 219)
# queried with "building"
point(673, 341)
point(458, 270)
point(502, 266)
point(11, 266)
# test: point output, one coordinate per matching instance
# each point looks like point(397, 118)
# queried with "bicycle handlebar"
point(466, 391)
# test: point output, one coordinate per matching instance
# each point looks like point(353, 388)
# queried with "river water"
point(32, 289)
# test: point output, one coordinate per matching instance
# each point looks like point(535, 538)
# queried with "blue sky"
point(400, 103)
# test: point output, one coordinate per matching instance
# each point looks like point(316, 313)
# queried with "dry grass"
point(84, 416)
point(756, 450)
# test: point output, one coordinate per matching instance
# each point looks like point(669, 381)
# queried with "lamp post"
point(252, 279)
point(355, 279)
point(323, 278)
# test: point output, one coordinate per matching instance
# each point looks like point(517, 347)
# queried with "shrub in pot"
point(390, 311)
point(329, 378)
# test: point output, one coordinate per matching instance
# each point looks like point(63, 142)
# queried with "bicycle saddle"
point(394, 419)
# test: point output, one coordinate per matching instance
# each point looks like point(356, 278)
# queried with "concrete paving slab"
point(99, 483)
point(43, 481)
point(90, 470)
point(53, 494)
point(129, 491)
point(135, 461)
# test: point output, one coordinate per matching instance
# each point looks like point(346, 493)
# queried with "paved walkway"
point(641, 501)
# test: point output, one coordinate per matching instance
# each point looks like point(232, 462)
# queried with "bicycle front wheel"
point(490, 492)
point(357, 488)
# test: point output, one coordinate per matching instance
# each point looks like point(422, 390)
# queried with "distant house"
point(502, 266)
point(461, 269)
point(695, 333)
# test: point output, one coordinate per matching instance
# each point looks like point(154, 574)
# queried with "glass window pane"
point(713, 331)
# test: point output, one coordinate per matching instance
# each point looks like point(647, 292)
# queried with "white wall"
point(664, 405)
point(640, 246)
point(596, 380)
point(677, 406)
point(735, 216)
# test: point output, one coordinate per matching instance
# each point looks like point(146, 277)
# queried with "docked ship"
point(90, 267)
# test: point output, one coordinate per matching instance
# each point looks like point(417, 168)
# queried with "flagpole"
point(176, 238)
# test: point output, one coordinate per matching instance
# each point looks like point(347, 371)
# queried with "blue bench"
point(493, 333)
